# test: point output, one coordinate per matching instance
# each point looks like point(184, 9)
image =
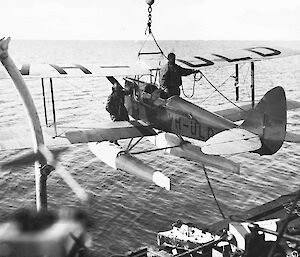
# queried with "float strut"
point(236, 83)
point(252, 85)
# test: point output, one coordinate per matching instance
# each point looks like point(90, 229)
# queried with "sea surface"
point(127, 212)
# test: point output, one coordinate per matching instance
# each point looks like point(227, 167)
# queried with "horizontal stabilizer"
point(237, 114)
point(232, 141)
point(110, 131)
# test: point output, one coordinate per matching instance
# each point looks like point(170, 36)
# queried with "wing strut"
point(236, 84)
point(47, 118)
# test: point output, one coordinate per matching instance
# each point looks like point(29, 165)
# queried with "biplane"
point(167, 123)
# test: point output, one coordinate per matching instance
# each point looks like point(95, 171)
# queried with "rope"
point(194, 84)
point(212, 191)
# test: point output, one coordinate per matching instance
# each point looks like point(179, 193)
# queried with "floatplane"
point(167, 123)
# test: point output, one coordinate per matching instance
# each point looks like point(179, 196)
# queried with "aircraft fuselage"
point(178, 116)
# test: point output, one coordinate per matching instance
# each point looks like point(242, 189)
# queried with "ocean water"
point(126, 211)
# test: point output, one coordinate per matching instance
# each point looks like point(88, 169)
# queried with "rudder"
point(268, 121)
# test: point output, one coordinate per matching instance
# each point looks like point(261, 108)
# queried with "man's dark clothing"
point(115, 106)
point(170, 78)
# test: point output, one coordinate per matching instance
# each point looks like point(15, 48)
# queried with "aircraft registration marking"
point(191, 128)
point(248, 54)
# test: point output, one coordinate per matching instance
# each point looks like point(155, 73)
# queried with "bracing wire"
point(216, 89)
point(245, 77)
point(222, 84)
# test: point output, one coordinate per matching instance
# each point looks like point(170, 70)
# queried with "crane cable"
point(149, 30)
point(212, 192)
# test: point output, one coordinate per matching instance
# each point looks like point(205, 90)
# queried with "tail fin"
point(268, 121)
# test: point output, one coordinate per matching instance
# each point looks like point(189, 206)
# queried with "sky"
point(171, 19)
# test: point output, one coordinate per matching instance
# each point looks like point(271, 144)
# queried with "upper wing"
point(225, 58)
point(200, 61)
point(76, 70)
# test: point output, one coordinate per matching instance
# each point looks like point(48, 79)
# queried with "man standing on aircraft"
point(170, 76)
point(115, 103)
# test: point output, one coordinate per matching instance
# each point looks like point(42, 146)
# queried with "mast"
point(41, 168)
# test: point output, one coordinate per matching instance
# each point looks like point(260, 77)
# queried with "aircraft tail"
point(268, 121)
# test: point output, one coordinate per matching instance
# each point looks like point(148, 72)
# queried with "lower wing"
point(19, 137)
point(110, 131)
